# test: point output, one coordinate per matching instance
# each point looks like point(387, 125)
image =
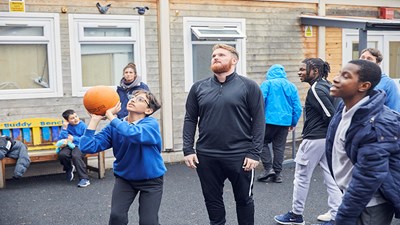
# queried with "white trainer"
point(325, 217)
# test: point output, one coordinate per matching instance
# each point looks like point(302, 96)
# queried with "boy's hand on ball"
point(96, 117)
point(110, 113)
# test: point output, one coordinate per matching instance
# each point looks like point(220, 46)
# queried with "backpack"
point(6, 143)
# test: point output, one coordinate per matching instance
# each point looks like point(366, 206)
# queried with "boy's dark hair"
point(375, 52)
point(368, 71)
point(153, 102)
point(67, 113)
point(319, 65)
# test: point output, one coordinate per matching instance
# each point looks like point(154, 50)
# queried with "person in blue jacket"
point(363, 148)
point(72, 158)
point(386, 84)
point(282, 112)
point(138, 165)
point(130, 83)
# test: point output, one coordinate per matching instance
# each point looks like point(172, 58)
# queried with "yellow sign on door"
point(308, 31)
point(17, 5)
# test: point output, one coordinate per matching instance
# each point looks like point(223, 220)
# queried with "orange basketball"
point(98, 99)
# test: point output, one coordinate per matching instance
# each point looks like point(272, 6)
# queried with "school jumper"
point(65, 155)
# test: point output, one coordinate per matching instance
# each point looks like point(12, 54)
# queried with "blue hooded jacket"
point(373, 145)
point(392, 92)
point(136, 147)
point(281, 98)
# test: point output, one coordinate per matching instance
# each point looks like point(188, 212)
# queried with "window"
point(101, 46)
point(200, 35)
point(30, 58)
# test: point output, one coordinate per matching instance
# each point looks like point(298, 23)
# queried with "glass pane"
point(107, 32)
point(23, 66)
point(222, 31)
point(394, 59)
point(21, 31)
point(103, 64)
point(202, 61)
point(370, 44)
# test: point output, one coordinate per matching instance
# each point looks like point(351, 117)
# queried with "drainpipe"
point(165, 72)
point(321, 30)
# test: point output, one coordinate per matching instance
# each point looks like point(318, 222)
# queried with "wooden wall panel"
point(333, 50)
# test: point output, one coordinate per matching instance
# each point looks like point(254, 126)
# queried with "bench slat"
point(16, 134)
point(6, 132)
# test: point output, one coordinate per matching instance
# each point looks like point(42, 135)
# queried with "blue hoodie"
point(392, 92)
point(136, 147)
point(282, 102)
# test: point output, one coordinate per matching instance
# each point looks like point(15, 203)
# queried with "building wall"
point(273, 32)
point(53, 107)
point(273, 36)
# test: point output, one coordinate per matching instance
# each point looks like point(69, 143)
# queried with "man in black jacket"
point(319, 109)
point(229, 111)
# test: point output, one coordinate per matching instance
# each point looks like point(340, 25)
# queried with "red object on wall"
point(386, 13)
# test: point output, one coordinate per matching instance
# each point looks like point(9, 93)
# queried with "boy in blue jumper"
point(363, 148)
point(72, 130)
point(386, 84)
point(138, 165)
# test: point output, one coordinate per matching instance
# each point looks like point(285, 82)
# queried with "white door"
point(350, 45)
point(387, 42)
point(392, 53)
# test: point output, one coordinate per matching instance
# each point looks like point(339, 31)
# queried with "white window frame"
point(215, 35)
point(77, 23)
point(51, 27)
point(191, 24)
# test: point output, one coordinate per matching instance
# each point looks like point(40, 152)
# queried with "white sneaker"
point(325, 217)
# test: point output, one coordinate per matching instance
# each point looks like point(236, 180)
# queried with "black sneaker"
point(290, 218)
point(265, 175)
point(277, 178)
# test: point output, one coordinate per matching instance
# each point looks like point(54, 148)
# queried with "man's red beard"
point(220, 68)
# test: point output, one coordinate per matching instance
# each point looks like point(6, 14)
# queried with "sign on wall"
point(308, 31)
point(16, 5)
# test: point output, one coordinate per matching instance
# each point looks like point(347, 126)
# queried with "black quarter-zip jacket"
point(229, 115)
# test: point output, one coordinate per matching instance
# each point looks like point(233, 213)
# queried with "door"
point(392, 47)
point(387, 42)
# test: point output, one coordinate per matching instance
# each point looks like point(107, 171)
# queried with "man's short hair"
point(375, 52)
point(67, 113)
point(368, 72)
point(228, 48)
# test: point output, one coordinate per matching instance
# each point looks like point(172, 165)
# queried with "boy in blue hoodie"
point(72, 130)
point(282, 112)
point(363, 148)
point(138, 165)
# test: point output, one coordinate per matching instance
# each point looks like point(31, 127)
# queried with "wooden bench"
point(40, 135)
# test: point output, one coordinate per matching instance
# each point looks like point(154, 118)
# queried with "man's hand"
point(249, 164)
point(191, 161)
